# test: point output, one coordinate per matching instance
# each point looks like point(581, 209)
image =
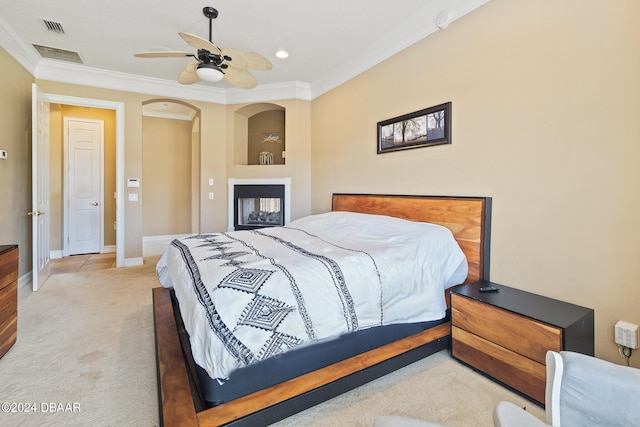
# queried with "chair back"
point(585, 391)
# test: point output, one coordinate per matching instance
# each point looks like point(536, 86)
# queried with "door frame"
point(65, 185)
point(118, 107)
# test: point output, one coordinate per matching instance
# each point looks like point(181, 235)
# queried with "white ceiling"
point(329, 41)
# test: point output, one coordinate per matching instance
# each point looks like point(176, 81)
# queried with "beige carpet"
point(86, 346)
point(85, 340)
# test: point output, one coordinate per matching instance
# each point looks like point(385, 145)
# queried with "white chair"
point(581, 391)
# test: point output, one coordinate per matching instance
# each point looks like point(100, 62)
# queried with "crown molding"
point(58, 71)
point(24, 54)
point(64, 72)
point(270, 92)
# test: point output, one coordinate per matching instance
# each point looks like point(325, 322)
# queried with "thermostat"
point(133, 182)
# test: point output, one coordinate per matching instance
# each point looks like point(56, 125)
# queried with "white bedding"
point(248, 295)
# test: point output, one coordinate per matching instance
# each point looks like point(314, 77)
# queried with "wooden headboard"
point(468, 218)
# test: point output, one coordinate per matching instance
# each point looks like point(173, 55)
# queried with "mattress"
point(300, 361)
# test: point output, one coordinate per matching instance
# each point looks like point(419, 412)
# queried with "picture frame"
point(424, 128)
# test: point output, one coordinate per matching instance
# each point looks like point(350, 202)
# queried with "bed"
point(185, 387)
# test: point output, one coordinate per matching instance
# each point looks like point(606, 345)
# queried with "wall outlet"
point(626, 334)
point(3, 154)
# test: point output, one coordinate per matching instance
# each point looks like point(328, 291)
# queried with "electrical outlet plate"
point(626, 334)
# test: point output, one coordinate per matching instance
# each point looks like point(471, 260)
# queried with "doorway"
point(116, 176)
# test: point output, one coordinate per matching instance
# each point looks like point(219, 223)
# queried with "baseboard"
point(108, 249)
point(156, 245)
point(25, 282)
point(55, 254)
point(133, 262)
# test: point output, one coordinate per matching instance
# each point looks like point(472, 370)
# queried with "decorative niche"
point(260, 135)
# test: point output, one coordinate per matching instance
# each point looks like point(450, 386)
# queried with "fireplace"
point(258, 203)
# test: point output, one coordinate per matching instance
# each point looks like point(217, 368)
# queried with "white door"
point(40, 210)
point(84, 185)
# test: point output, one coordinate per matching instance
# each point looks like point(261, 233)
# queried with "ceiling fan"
point(213, 63)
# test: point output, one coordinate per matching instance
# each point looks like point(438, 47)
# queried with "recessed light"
point(282, 54)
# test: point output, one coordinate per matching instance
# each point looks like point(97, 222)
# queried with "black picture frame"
point(424, 128)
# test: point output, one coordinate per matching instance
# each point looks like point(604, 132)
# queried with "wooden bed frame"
point(468, 218)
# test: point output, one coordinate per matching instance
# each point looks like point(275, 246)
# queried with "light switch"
point(210, 181)
point(211, 196)
point(133, 197)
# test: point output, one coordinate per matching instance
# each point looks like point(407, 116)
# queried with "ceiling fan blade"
point(200, 43)
point(237, 58)
point(246, 59)
point(163, 54)
point(188, 74)
point(240, 77)
point(257, 61)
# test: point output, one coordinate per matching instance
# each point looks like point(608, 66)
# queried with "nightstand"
point(8, 297)
point(506, 334)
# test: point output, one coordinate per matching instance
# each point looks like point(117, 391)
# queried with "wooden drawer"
point(8, 297)
point(8, 267)
point(511, 368)
point(514, 332)
point(8, 334)
point(8, 301)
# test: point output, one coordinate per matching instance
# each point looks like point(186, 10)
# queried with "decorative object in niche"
point(424, 128)
point(265, 158)
point(272, 137)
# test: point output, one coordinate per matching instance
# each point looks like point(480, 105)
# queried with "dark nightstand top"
point(538, 307)
point(4, 248)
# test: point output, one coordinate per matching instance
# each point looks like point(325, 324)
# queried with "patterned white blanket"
point(247, 295)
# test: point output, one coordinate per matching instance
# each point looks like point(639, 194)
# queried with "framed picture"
point(424, 128)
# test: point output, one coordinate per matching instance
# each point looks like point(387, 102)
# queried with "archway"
point(170, 172)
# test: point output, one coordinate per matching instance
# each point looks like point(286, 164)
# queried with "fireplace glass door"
point(259, 211)
point(259, 206)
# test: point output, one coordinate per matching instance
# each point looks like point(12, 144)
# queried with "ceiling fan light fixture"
point(209, 73)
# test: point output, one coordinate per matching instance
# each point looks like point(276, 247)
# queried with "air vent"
point(59, 54)
point(53, 26)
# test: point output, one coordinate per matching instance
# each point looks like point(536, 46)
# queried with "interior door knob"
point(94, 204)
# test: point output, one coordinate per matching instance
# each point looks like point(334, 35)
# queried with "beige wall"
point(15, 171)
point(56, 180)
point(546, 100)
point(166, 176)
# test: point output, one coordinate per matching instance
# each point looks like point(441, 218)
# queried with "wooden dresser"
point(8, 297)
point(506, 334)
